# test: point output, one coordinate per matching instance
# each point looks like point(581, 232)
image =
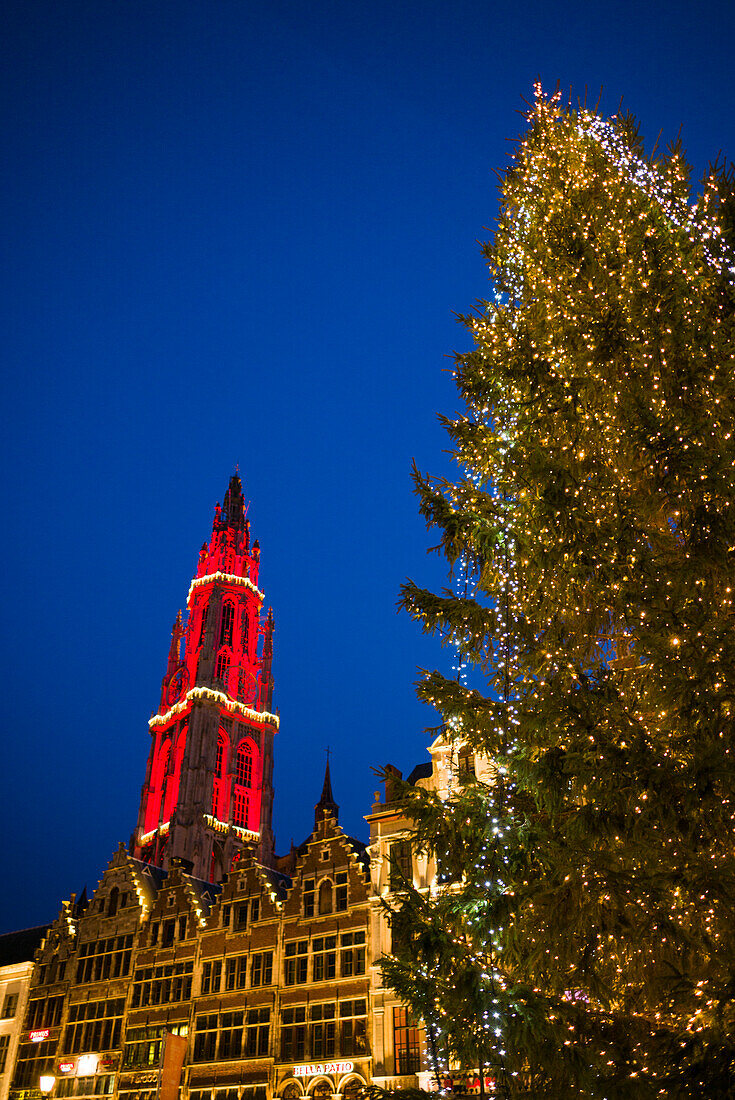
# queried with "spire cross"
point(328, 751)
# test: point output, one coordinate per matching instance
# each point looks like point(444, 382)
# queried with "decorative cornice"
point(224, 827)
point(225, 578)
point(217, 699)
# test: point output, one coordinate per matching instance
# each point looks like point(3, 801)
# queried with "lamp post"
point(47, 1082)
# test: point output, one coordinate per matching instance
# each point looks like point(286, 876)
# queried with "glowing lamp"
point(46, 1083)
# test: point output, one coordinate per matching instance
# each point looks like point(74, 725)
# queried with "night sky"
point(240, 232)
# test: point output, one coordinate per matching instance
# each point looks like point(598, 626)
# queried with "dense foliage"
point(586, 944)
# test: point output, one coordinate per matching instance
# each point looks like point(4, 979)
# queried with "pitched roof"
point(16, 947)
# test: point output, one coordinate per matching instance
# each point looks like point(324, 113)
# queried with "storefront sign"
point(323, 1068)
point(39, 1036)
point(67, 1067)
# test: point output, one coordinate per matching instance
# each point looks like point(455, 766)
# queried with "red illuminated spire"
point(207, 792)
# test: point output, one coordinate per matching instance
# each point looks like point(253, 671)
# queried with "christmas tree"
point(584, 941)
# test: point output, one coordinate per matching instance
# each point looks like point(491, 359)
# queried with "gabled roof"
point(17, 947)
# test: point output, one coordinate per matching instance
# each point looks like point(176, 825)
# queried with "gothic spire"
point(233, 508)
point(326, 802)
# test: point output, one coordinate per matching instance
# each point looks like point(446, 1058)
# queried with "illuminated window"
point(406, 1042)
point(243, 784)
point(240, 809)
point(228, 619)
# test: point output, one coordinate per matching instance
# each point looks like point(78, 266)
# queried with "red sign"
point(39, 1036)
point(66, 1067)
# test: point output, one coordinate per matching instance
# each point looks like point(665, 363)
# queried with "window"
point(4, 1044)
point(112, 901)
point(240, 809)
point(293, 1034)
point(325, 957)
point(236, 971)
point(161, 985)
point(341, 891)
point(245, 631)
point(10, 1005)
point(258, 1032)
point(168, 929)
point(243, 783)
point(352, 954)
point(100, 1085)
point(105, 958)
point(466, 765)
point(205, 1038)
point(33, 1060)
point(323, 1030)
point(241, 916)
point(44, 1012)
point(406, 1042)
point(226, 910)
point(261, 968)
point(228, 618)
point(182, 927)
point(309, 897)
point(219, 787)
point(353, 1027)
point(203, 629)
point(325, 897)
point(244, 766)
point(93, 1025)
point(230, 1039)
point(400, 864)
point(222, 663)
point(211, 976)
point(294, 970)
point(143, 1044)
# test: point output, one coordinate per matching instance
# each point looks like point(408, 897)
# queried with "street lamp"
point(47, 1082)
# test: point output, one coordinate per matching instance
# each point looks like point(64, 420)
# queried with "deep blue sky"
point(239, 232)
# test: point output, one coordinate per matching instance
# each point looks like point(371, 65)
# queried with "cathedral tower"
point(208, 790)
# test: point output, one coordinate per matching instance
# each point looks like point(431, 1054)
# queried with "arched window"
point(228, 619)
point(245, 631)
point(243, 784)
point(112, 901)
point(219, 788)
point(325, 897)
point(222, 663)
point(203, 628)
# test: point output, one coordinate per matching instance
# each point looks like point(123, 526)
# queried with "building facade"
point(262, 971)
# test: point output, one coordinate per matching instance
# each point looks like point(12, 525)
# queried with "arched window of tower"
point(228, 619)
